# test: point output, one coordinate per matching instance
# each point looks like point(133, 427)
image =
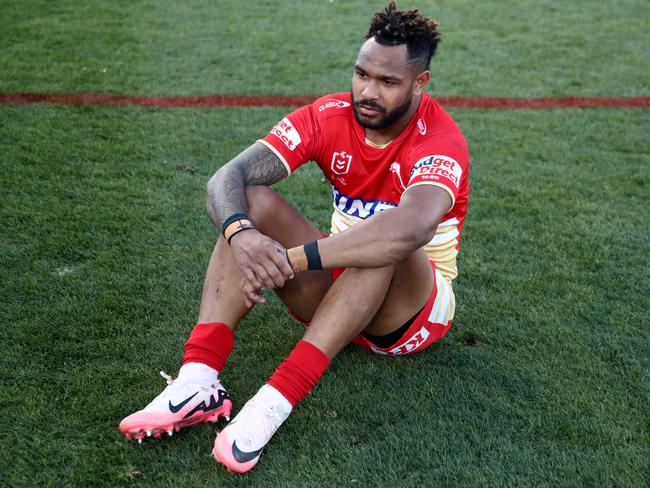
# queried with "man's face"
point(382, 84)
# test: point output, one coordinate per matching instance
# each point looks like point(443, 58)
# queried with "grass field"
point(543, 381)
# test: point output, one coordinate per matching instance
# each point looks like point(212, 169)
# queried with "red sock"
point(209, 344)
point(300, 372)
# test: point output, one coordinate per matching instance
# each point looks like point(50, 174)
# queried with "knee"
point(261, 202)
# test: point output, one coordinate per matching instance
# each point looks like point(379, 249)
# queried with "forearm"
point(386, 238)
point(226, 190)
point(226, 195)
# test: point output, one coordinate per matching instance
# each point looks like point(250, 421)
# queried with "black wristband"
point(232, 219)
point(313, 256)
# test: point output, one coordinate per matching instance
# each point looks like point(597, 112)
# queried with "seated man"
point(398, 166)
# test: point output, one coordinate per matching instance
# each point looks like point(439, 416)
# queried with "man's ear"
point(421, 81)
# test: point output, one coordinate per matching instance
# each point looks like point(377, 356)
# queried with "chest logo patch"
point(333, 103)
point(436, 168)
point(287, 133)
point(422, 127)
point(341, 162)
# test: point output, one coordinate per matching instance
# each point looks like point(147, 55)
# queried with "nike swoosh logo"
point(242, 456)
point(176, 408)
point(214, 403)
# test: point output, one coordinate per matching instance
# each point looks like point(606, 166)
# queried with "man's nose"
point(370, 91)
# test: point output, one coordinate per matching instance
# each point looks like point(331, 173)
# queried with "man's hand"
point(263, 263)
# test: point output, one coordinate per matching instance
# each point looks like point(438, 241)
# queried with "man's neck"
point(381, 137)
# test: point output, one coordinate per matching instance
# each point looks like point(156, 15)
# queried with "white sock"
point(198, 371)
point(275, 400)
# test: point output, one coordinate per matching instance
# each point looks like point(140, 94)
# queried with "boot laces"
point(167, 377)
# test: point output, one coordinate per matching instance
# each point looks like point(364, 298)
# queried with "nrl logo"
point(341, 162)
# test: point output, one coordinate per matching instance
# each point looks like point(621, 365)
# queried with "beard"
point(384, 118)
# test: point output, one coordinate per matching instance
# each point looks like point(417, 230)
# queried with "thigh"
point(409, 291)
point(276, 218)
point(429, 326)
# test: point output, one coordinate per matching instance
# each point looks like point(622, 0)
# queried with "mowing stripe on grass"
point(285, 101)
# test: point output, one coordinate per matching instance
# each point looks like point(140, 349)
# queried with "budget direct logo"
point(287, 133)
point(333, 103)
point(436, 167)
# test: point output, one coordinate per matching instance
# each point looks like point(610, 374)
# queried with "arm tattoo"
point(226, 194)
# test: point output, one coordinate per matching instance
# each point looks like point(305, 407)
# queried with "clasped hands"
point(263, 263)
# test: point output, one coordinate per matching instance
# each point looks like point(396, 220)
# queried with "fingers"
point(262, 261)
point(251, 277)
point(279, 258)
point(263, 274)
point(267, 267)
point(270, 265)
point(270, 273)
point(251, 294)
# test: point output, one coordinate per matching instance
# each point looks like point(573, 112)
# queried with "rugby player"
point(382, 279)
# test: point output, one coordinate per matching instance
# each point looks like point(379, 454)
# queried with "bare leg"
point(403, 288)
point(378, 300)
point(222, 300)
point(409, 291)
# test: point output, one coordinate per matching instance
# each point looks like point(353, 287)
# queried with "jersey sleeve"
point(441, 160)
point(294, 139)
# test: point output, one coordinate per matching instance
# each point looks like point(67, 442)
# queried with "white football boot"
point(239, 445)
point(185, 401)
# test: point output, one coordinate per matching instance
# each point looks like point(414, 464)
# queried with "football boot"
point(239, 445)
point(182, 403)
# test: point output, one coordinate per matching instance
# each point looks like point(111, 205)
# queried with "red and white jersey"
point(367, 178)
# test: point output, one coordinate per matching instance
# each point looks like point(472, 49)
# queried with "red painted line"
point(543, 103)
point(285, 101)
point(201, 101)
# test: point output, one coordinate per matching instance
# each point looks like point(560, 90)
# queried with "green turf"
point(544, 380)
point(491, 48)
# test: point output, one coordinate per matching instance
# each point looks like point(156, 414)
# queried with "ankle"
point(198, 371)
point(299, 372)
point(209, 343)
point(274, 400)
